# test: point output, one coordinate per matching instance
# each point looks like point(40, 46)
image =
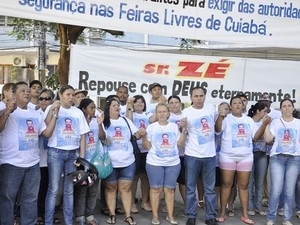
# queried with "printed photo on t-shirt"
point(241, 135)
point(67, 131)
point(286, 139)
point(28, 133)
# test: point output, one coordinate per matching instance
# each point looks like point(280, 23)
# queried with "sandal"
point(119, 211)
point(93, 222)
point(56, 220)
point(231, 213)
point(111, 219)
point(40, 221)
point(105, 211)
point(221, 219)
point(247, 220)
point(201, 204)
point(129, 220)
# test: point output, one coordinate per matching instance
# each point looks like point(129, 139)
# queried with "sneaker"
point(251, 212)
point(134, 209)
point(280, 212)
point(260, 212)
point(298, 214)
point(287, 222)
point(270, 223)
point(211, 222)
point(264, 202)
point(146, 206)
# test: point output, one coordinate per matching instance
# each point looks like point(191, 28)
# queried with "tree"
point(66, 34)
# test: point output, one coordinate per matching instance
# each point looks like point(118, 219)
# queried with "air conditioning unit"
point(19, 61)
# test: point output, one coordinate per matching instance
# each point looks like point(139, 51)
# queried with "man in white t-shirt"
point(35, 90)
point(200, 155)
point(123, 95)
point(155, 89)
point(19, 156)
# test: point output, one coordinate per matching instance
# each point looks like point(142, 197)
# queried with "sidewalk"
point(144, 218)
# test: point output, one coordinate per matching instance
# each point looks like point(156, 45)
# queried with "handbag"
point(102, 161)
point(136, 149)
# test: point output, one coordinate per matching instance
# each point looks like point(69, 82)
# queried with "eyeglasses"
point(46, 98)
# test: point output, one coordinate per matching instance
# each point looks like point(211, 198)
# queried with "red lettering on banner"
point(156, 69)
point(217, 69)
point(214, 69)
point(190, 69)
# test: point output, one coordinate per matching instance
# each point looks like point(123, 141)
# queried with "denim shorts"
point(122, 173)
point(163, 176)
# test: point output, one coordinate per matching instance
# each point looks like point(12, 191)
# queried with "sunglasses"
point(46, 98)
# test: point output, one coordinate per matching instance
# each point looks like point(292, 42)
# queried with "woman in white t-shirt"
point(66, 143)
point(176, 116)
point(85, 196)
point(137, 113)
point(258, 113)
point(236, 155)
point(122, 157)
point(163, 163)
point(284, 161)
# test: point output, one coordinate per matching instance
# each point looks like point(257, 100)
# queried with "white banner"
point(101, 71)
point(264, 22)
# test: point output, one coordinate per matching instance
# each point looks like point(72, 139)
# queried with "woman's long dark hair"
point(258, 106)
point(108, 103)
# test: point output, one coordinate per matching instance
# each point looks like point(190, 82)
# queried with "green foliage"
point(52, 82)
point(188, 43)
point(26, 29)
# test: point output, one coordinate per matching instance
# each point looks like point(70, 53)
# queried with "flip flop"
point(247, 220)
point(221, 219)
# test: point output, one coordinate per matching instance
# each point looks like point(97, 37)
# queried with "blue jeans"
point(256, 181)
point(85, 200)
point(14, 179)
point(60, 162)
point(297, 198)
point(284, 172)
point(206, 168)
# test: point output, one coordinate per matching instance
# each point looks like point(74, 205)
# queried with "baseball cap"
point(265, 97)
point(155, 84)
point(77, 91)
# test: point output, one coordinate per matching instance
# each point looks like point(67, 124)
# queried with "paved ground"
point(144, 218)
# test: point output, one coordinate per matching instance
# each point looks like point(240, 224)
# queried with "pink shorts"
point(236, 163)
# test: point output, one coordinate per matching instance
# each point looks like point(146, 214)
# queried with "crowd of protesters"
point(224, 152)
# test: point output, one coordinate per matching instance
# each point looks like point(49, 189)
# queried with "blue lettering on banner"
point(245, 27)
point(138, 14)
point(171, 18)
point(102, 10)
point(62, 5)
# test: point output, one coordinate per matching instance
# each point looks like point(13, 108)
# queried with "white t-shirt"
point(287, 136)
point(2, 105)
point(120, 148)
point(164, 151)
point(151, 106)
point(20, 137)
point(141, 120)
point(274, 113)
point(201, 131)
point(31, 105)
point(237, 136)
point(259, 145)
point(70, 124)
point(91, 139)
point(176, 119)
point(123, 110)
